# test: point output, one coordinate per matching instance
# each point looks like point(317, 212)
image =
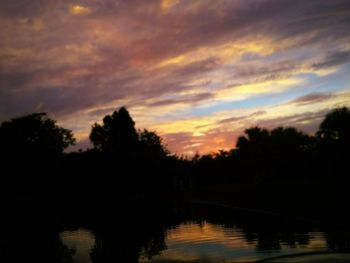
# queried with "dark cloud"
point(149, 36)
point(334, 59)
point(233, 119)
point(191, 99)
point(312, 98)
point(102, 112)
point(63, 63)
point(25, 8)
point(308, 121)
point(263, 70)
point(196, 68)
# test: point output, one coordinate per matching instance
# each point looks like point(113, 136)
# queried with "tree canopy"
point(152, 144)
point(34, 134)
point(259, 140)
point(117, 133)
point(336, 125)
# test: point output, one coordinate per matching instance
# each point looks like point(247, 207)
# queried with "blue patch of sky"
point(297, 54)
point(312, 84)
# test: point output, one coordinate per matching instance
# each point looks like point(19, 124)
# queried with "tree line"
point(262, 154)
point(32, 151)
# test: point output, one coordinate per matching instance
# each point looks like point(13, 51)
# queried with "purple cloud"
point(66, 63)
point(312, 98)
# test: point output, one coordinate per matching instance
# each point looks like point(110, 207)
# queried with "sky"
point(198, 72)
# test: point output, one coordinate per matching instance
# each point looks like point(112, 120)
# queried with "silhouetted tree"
point(280, 151)
point(141, 155)
point(336, 126)
point(254, 140)
point(151, 144)
point(251, 151)
point(35, 233)
point(117, 134)
point(334, 142)
point(288, 143)
point(287, 151)
point(34, 135)
point(31, 149)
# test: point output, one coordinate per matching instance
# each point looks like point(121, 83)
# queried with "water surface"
point(202, 234)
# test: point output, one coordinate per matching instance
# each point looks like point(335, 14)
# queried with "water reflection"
point(206, 241)
point(216, 243)
point(81, 242)
point(155, 233)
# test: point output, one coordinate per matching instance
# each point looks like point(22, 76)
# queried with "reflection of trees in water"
point(267, 241)
point(266, 232)
point(273, 237)
point(31, 236)
point(118, 245)
point(338, 240)
point(139, 231)
point(127, 243)
point(37, 247)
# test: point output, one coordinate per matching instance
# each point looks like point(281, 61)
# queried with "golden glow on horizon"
point(205, 133)
point(195, 69)
point(206, 141)
point(184, 125)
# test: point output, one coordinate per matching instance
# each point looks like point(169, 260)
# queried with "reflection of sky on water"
point(82, 241)
point(208, 242)
point(322, 258)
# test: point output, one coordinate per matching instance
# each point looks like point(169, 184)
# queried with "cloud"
point(296, 120)
point(103, 111)
point(166, 59)
point(207, 134)
point(334, 59)
point(312, 98)
point(188, 145)
point(79, 10)
point(240, 118)
point(185, 99)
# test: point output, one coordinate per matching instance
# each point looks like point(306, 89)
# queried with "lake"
point(200, 233)
point(117, 231)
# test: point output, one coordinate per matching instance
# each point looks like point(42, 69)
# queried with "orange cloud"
point(79, 10)
point(180, 66)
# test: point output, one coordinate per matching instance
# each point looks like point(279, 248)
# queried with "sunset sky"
point(197, 72)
